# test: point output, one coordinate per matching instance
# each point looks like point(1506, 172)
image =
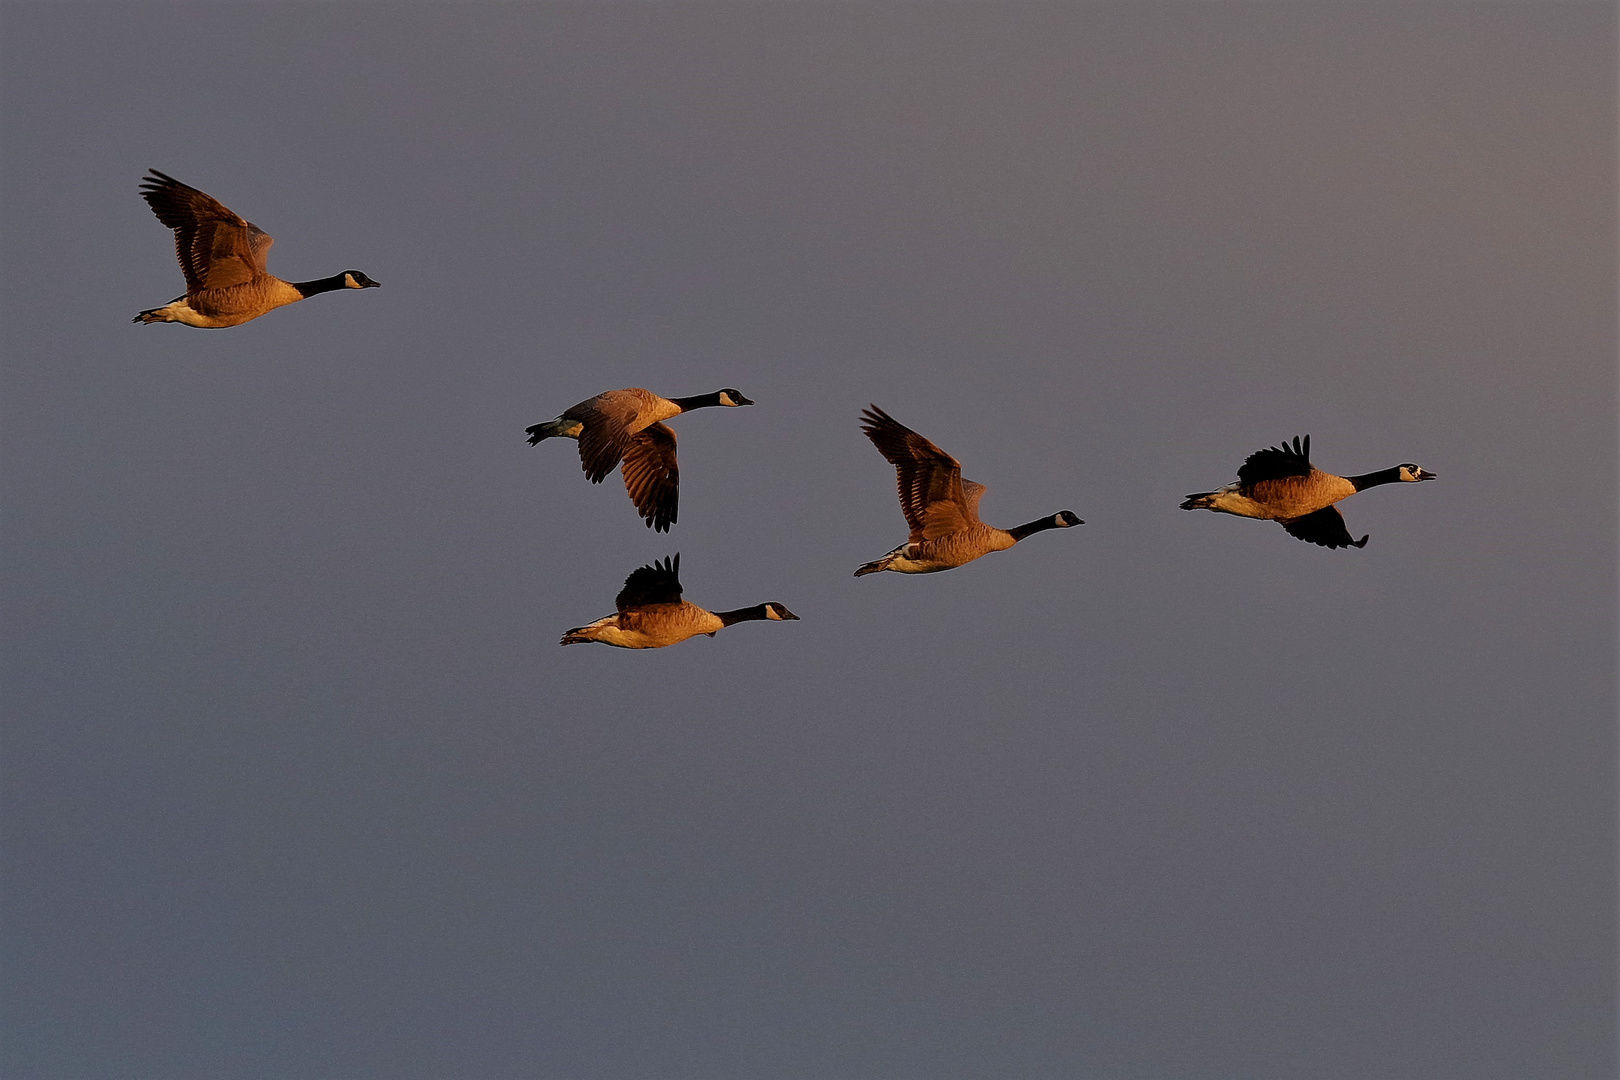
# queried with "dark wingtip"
point(1362, 542)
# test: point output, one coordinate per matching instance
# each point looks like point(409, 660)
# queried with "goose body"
point(1280, 484)
point(625, 425)
point(941, 507)
point(223, 259)
point(651, 613)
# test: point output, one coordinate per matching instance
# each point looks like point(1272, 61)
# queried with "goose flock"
point(223, 259)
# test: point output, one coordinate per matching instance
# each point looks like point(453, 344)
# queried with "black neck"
point(1036, 526)
point(687, 404)
point(746, 614)
point(320, 285)
point(1373, 479)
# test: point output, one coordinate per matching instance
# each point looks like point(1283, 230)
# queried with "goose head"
point(1411, 474)
point(732, 398)
point(777, 612)
point(1066, 519)
point(354, 279)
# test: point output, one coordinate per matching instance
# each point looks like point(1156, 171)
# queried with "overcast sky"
point(299, 784)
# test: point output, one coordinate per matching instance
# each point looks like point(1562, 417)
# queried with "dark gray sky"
point(299, 784)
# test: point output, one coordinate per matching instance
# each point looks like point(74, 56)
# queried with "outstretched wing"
point(610, 421)
point(1276, 462)
point(652, 476)
point(659, 583)
point(216, 248)
point(1324, 527)
point(933, 496)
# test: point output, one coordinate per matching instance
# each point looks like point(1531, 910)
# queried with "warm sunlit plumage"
point(651, 613)
point(223, 259)
point(624, 425)
point(1280, 484)
point(940, 506)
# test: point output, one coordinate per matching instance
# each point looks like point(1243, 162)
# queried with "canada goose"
point(652, 614)
point(941, 507)
point(222, 257)
point(624, 424)
point(1280, 484)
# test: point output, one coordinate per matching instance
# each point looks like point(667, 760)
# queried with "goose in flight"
point(625, 425)
point(651, 613)
point(1280, 484)
point(941, 507)
point(222, 257)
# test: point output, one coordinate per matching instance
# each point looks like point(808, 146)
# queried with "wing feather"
point(610, 421)
point(1325, 527)
point(652, 476)
point(658, 583)
point(1277, 462)
point(933, 496)
point(215, 247)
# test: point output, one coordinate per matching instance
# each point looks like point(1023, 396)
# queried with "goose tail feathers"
point(875, 567)
point(558, 428)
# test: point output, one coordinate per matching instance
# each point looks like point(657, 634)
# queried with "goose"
point(222, 257)
point(651, 613)
point(624, 424)
point(1280, 484)
point(941, 507)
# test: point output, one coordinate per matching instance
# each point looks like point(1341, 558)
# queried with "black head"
point(773, 610)
point(1065, 519)
point(1411, 474)
point(731, 397)
point(354, 279)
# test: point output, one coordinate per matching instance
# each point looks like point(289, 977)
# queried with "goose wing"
point(652, 476)
point(611, 420)
point(1277, 462)
point(933, 496)
point(216, 248)
point(659, 583)
point(1325, 527)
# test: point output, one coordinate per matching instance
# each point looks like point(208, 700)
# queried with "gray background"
point(299, 783)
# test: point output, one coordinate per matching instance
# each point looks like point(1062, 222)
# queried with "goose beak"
point(743, 401)
point(1425, 474)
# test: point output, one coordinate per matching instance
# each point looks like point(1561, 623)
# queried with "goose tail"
point(1200, 500)
point(558, 428)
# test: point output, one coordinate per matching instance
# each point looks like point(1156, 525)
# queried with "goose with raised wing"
point(651, 613)
point(1280, 484)
point(624, 425)
point(222, 257)
point(941, 507)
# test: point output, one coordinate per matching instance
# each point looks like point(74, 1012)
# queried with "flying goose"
point(1280, 484)
point(941, 507)
point(222, 257)
point(651, 613)
point(624, 424)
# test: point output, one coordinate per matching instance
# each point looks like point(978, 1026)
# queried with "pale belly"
point(1280, 504)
